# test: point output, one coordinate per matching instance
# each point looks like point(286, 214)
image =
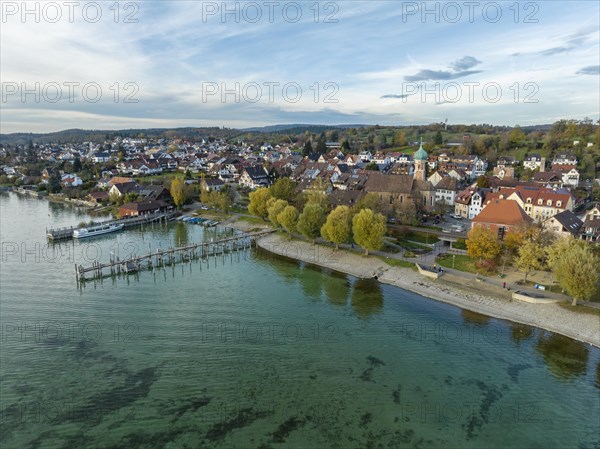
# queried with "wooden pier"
point(67, 233)
point(168, 257)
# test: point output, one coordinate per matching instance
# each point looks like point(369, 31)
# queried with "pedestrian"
point(504, 285)
point(435, 266)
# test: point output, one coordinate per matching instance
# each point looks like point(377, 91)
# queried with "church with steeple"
point(420, 158)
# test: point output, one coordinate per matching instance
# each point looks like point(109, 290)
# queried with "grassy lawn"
point(253, 220)
point(460, 244)
point(421, 237)
point(461, 263)
point(398, 263)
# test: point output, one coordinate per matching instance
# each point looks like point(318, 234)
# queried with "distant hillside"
point(299, 128)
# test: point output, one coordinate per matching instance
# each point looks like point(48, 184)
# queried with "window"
point(558, 203)
point(540, 202)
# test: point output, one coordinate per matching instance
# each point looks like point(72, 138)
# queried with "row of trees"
point(574, 264)
point(342, 225)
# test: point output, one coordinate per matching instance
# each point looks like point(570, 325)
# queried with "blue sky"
point(387, 63)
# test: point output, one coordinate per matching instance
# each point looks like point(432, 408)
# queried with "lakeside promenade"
point(452, 288)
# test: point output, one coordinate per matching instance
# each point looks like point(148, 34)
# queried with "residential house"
point(564, 224)
point(98, 197)
point(501, 216)
point(446, 191)
point(590, 229)
point(504, 172)
point(538, 202)
point(552, 179)
point(569, 174)
point(254, 176)
point(469, 203)
point(122, 189)
point(534, 162)
point(213, 185)
point(565, 158)
point(100, 157)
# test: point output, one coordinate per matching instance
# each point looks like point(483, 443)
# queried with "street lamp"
point(453, 259)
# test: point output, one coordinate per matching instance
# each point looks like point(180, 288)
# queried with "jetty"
point(66, 233)
point(168, 257)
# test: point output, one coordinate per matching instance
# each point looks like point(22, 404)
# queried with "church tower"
point(420, 163)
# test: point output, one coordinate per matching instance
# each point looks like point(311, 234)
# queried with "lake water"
point(255, 351)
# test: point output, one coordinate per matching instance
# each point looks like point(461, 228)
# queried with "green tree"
point(338, 226)
point(574, 266)
point(483, 182)
point(77, 165)
point(321, 145)
point(369, 229)
point(258, 202)
point(288, 219)
point(311, 220)
point(54, 183)
point(438, 139)
point(369, 201)
point(284, 189)
point(400, 139)
point(178, 191)
point(372, 166)
point(221, 201)
point(482, 244)
point(530, 256)
point(274, 208)
point(307, 149)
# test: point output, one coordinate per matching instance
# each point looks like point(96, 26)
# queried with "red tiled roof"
point(502, 212)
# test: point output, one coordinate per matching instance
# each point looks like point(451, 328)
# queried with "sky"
point(151, 64)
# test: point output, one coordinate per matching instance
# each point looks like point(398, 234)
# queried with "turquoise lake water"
point(256, 351)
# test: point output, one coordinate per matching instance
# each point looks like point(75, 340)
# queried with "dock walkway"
point(161, 258)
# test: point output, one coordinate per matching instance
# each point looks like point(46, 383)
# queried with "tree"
point(399, 139)
point(258, 202)
point(311, 220)
point(288, 218)
point(577, 271)
point(284, 189)
point(178, 191)
point(483, 182)
point(77, 165)
point(482, 244)
point(372, 166)
point(438, 140)
point(274, 208)
point(338, 226)
point(54, 183)
point(307, 149)
point(221, 201)
point(321, 145)
point(369, 201)
point(530, 257)
point(369, 230)
point(406, 212)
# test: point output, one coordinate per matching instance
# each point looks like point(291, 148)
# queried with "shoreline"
point(476, 298)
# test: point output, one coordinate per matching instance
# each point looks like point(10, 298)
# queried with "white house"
point(533, 162)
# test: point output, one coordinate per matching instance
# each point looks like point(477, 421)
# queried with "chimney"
point(542, 164)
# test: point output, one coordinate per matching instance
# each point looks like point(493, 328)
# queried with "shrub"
point(486, 265)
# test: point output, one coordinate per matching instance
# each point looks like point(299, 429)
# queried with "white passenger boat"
point(96, 230)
